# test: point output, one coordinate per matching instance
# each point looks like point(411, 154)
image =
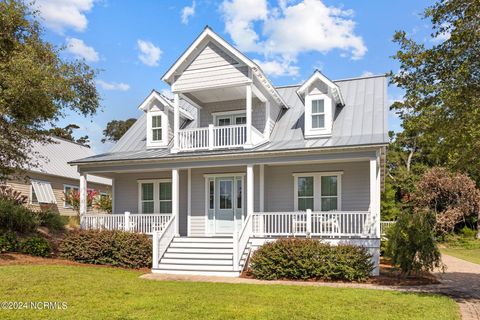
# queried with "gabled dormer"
point(159, 112)
point(237, 105)
point(321, 96)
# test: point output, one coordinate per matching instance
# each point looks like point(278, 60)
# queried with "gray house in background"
point(232, 162)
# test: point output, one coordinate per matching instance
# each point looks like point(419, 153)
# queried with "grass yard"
point(472, 255)
point(109, 293)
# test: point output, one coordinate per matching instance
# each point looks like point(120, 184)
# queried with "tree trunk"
point(478, 226)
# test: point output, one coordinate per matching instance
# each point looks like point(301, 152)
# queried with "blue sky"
point(134, 42)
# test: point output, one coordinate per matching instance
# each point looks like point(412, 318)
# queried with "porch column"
point(375, 195)
point(262, 188)
point(250, 198)
point(248, 106)
point(83, 193)
point(176, 121)
point(189, 200)
point(176, 200)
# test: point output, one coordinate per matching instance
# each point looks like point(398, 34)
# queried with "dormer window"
point(157, 128)
point(318, 114)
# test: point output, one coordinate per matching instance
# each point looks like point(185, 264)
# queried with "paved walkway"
point(461, 281)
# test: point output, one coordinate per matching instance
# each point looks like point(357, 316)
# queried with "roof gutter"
point(218, 156)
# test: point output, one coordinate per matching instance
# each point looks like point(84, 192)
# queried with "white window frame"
point(228, 114)
point(31, 196)
point(327, 109)
point(153, 112)
point(317, 188)
point(71, 186)
point(156, 193)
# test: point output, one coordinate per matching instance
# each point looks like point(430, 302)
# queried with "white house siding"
point(279, 184)
point(258, 111)
point(212, 67)
point(275, 108)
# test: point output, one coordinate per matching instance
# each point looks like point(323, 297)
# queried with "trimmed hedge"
point(115, 248)
point(36, 246)
point(305, 259)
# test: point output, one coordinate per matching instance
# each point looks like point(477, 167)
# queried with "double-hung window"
point(318, 191)
point(67, 189)
point(155, 196)
point(156, 128)
point(318, 114)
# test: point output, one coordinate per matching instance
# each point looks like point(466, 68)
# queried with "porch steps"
point(199, 256)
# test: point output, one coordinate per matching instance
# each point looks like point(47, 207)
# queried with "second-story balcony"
point(216, 137)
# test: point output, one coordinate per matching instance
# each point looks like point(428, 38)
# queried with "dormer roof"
point(194, 49)
point(317, 75)
point(166, 102)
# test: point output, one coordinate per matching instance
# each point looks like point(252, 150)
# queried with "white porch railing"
point(140, 223)
point(161, 240)
point(240, 242)
point(212, 137)
point(385, 225)
point(308, 223)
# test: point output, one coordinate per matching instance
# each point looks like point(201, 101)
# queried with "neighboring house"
point(233, 161)
point(46, 184)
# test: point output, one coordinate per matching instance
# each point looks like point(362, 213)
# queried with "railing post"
point(155, 256)
point(309, 223)
point(126, 222)
point(210, 137)
point(235, 250)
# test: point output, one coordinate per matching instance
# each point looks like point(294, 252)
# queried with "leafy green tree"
point(116, 129)
point(37, 87)
point(440, 110)
point(67, 134)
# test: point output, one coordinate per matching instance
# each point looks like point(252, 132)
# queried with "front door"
point(225, 208)
point(224, 204)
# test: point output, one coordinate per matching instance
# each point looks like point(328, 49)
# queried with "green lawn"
point(107, 293)
point(472, 255)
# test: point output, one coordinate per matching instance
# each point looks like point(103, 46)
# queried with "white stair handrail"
point(242, 239)
point(161, 240)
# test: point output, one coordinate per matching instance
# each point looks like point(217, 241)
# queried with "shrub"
point(16, 217)
point(103, 203)
point(115, 248)
point(8, 242)
point(36, 246)
point(303, 259)
point(52, 220)
point(411, 243)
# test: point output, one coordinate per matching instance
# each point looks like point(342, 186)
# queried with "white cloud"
point(119, 86)
point(290, 29)
point(239, 16)
point(149, 54)
point(80, 50)
point(64, 14)
point(278, 68)
point(188, 12)
point(367, 74)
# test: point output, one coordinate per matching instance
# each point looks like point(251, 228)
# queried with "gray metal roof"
point(362, 121)
point(53, 159)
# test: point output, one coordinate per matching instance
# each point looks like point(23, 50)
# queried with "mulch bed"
point(388, 277)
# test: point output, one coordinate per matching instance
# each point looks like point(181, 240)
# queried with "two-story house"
point(233, 161)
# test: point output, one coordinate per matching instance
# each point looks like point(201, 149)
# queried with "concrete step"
point(177, 266)
point(199, 272)
point(183, 255)
point(188, 261)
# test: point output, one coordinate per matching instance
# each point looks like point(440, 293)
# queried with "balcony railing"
point(212, 137)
